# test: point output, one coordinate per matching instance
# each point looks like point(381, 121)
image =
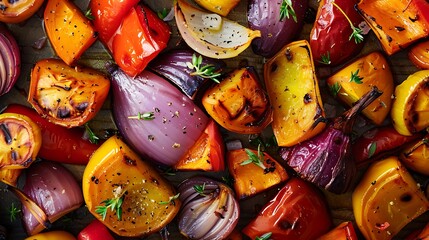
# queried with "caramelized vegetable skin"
point(220, 7)
point(115, 171)
point(18, 11)
point(294, 94)
point(239, 103)
point(419, 54)
point(415, 155)
point(386, 199)
point(397, 23)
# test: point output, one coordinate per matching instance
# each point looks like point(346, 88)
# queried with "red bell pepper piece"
point(95, 231)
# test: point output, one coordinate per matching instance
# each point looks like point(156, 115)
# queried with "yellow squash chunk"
point(226, 39)
point(372, 70)
point(251, 179)
point(221, 7)
point(69, 31)
point(410, 109)
point(115, 171)
point(294, 94)
point(239, 103)
point(386, 199)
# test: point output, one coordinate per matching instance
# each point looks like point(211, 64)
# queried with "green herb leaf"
point(169, 172)
point(425, 141)
point(170, 200)
point(200, 189)
point(335, 88)
point(255, 159)
point(372, 149)
point(163, 13)
point(143, 116)
point(115, 205)
point(88, 14)
point(13, 212)
point(356, 78)
point(325, 58)
point(207, 71)
point(266, 236)
point(357, 33)
point(286, 10)
point(91, 135)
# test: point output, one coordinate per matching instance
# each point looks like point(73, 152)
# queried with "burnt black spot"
point(130, 161)
point(273, 67)
point(307, 98)
point(399, 29)
point(285, 225)
point(288, 54)
point(406, 197)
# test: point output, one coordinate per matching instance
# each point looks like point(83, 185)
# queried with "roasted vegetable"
point(351, 82)
point(127, 194)
point(65, 95)
point(331, 38)
point(10, 60)
point(210, 34)
point(175, 66)
point(276, 28)
point(386, 199)
point(253, 171)
point(419, 54)
point(19, 10)
point(20, 141)
point(416, 155)
point(156, 119)
point(396, 23)
point(297, 212)
point(378, 142)
point(210, 211)
point(207, 153)
point(326, 159)
point(410, 108)
point(96, 230)
point(294, 94)
point(57, 234)
point(220, 7)
point(68, 30)
point(239, 103)
point(344, 230)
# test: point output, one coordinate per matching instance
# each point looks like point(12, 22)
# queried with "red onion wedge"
point(173, 66)
point(154, 117)
point(10, 60)
point(50, 192)
point(326, 159)
point(209, 211)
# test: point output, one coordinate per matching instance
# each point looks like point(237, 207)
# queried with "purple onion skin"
point(326, 159)
point(52, 187)
point(264, 15)
point(11, 60)
point(201, 216)
point(178, 122)
point(172, 65)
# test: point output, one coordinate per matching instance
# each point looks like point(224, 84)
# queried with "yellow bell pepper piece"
point(58, 234)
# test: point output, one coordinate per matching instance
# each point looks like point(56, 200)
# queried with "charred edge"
point(6, 132)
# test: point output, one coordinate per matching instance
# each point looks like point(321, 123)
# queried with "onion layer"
point(172, 65)
point(54, 189)
point(175, 123)
point(10, 60)
point(211, 213)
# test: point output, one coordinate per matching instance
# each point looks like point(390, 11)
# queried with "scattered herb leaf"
point(335, 89)
point(228, 180)
point(425, 141)
point(372, 149)
point(143, 116)
point(325, 58)
point(357, 33)
point(356, 78)
point(255, 159)
point(200, 189)
point(91, 135)
point(88, 14)
point(286, 10)
point(115, 204)
point(13, 212)
point(207, 71)
point(169, 172)
point(163, 13)
point(266, 236)
point(170, 200)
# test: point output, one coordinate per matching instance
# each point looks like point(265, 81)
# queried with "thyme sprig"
point(13, 212)
point(357, 33)
point(170, 200)
point(91, 135)
point(88, 14)
point(207, 71)
point(286, 10)
point(114, 204)
point(265, 236)
point(356, 78)
point(200, 189)
point(335, 89)
point(325, 58)
point(143, 116)
point(255, 159)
